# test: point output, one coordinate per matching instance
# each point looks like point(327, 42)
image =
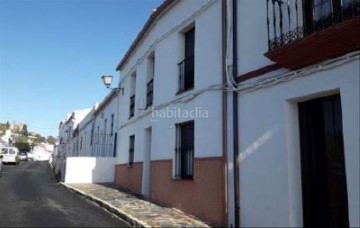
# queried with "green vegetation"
point(22, 146)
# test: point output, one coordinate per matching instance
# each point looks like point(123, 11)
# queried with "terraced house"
point(240, 112)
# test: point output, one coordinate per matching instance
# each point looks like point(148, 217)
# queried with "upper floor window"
point(105, 126)
point(131, 149)
point(186, 67)
point(112, 125)
point(92, 134)
point(132, 94)
point(150, 80)
point(320, 14)
point(184, 151)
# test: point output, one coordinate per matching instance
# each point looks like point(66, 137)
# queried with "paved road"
point(29, 196)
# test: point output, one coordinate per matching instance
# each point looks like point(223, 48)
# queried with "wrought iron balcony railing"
point(291, 20)
point(149, 93)
point(132, 106)
point(186, 74)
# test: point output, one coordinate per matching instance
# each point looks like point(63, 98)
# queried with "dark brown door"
point(325, 202)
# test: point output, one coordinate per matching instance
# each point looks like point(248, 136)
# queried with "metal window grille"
point(149, 93)
point(112, 124)
point(184, 151)
point(131, 149)
point(186, 74)
point(103, 146)
point(132, 105)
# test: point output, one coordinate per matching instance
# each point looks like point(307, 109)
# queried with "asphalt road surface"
point(30, 196)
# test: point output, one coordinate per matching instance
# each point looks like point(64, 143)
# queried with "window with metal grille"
point(132, 94)
point(186, 67)
point(184, 151)
point(321, 14)
point(112, 125)
point(132, 105)
point(149, 93)
point(92, 134)
point(131, 149)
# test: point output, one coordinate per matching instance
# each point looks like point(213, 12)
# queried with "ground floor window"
point(184, 151)
point(131, 149)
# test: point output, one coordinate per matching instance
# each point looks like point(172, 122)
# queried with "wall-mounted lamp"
point(107, 80)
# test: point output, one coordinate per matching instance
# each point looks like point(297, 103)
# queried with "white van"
point(10, 155)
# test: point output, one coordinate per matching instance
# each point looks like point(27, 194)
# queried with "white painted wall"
point(165, 40)
point(270, 178)
point(89, 169)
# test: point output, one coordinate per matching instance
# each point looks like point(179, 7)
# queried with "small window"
point(132, 106)
point(149, 93)
point(150, 80)
point(184, 151)
point(112, 125)
point(92, 135)
point(132, 94)
point(131, 150)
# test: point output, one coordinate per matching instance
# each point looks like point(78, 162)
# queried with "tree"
point(23, 146)
point(25, 130)
point(51, 140)
point(7, 125)
point(39, 139)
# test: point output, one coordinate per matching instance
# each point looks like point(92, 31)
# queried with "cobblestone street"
point(136, 211)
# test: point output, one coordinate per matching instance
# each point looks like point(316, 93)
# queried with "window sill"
point(184, 91)
point(182, 179)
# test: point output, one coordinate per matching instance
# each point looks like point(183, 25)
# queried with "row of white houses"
point(240, 112)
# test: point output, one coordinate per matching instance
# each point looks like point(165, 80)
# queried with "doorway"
point(146, 175)
point(324, 190)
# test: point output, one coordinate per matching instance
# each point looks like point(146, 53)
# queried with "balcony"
point(186, 74)
point(303, 33)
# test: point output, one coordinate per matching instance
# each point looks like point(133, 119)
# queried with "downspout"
point(224, 106)
point(236, 120)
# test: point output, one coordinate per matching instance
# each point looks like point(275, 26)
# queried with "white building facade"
point(170, 144)
point(298, 114)
point(236, 118)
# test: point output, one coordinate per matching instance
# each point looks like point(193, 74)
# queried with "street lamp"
point(107, 79)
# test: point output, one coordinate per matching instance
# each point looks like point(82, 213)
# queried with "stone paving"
point(136, 211)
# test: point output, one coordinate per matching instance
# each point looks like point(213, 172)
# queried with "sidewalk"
point(135, 211)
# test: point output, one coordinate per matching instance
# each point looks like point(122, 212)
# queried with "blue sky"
point(53, 53)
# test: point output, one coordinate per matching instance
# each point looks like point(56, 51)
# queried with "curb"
point(123, 215)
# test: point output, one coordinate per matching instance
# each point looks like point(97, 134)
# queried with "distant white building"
point(66, 146)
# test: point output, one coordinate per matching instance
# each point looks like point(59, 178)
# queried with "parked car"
point(30, 156)
point(23, 156)
point(10, 155)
